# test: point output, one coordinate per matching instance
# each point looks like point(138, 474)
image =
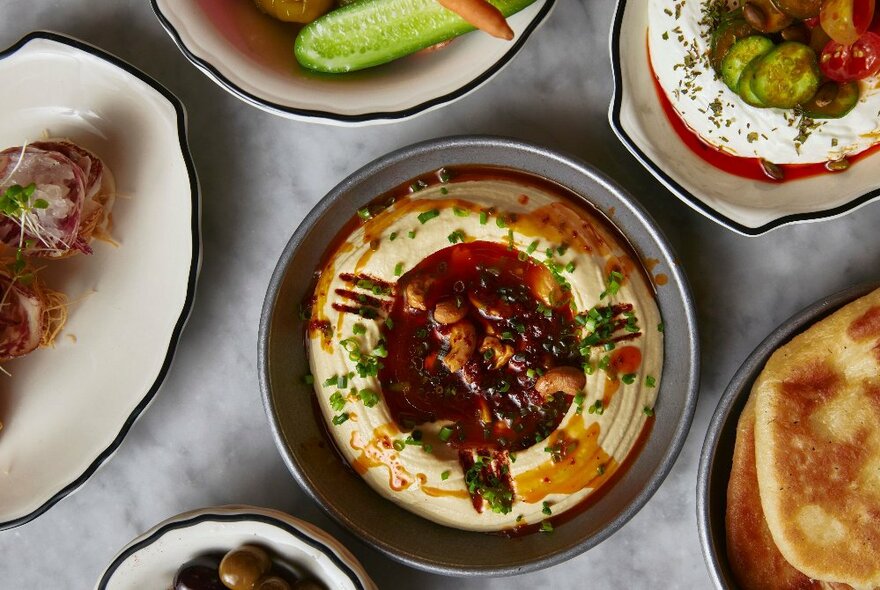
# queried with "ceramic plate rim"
point(740, 386)
point(378, 117)
point(614, 116)
point(195, 194)
point(647, 224)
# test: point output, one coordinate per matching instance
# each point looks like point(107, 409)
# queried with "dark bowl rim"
point(195, 262)
point(379, 116)
point(689, 332)
point(239, 514)
point(740, 385)
point(681, 192)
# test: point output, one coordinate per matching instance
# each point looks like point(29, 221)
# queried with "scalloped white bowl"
point(253, 68)
point(745, 206)
point(151, 560)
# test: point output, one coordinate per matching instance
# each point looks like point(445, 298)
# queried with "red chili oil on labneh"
point(751, 168)
point(494, 289)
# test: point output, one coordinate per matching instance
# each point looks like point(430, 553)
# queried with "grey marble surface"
point(205, 440)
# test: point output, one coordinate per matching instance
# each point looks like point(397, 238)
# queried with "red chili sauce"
point(750, 168)
point(494, 408)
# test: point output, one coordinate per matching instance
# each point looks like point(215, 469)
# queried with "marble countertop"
point(205, 440)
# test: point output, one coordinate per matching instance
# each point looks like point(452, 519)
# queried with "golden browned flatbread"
point(817, 446)
point(754, 558)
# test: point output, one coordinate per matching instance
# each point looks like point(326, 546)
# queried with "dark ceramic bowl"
point(717, 455)
point(343, 494)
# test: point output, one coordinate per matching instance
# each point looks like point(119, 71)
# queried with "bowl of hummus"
point(476, 340)
point(806, 151)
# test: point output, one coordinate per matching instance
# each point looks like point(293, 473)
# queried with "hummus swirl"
point(432, 468)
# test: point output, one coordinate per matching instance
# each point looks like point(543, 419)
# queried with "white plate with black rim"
point(66, 409)
point(151, 560)
point(251, 56)
point(745, 206)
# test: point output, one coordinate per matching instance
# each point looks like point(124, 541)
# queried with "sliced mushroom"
point(450, 311)
point(462, 343)
point(568, 380)
point(547, 289)
point(501, 352)
point(416, 291)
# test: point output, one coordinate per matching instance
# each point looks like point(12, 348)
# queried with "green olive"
point(241, 568)
point(272, 583)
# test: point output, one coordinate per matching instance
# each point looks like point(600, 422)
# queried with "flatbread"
point(817, 445)
point(754, 558)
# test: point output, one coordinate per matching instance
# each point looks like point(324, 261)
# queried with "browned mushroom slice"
point(450, 311)
point(567, 380)
point(416, 292)
point(462, 343)
point(496, 351)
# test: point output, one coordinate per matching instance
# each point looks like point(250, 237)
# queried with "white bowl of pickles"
point(350, 62)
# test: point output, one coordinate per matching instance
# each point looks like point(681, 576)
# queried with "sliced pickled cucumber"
point(373, 32)
point(725, 36)
point(787, 76)
point(825, 105)
point(745, 85)
point(740, 55)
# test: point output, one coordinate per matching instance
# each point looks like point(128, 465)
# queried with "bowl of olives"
point(235, 548)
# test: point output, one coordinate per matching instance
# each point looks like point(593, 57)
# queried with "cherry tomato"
point(846, 20)
point(858, 61)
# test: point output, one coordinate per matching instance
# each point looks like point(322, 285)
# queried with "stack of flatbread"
point(803, 502)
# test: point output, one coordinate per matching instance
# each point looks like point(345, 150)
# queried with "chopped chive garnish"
point(532, 247)
point(389, 323)
point(501, 222)
point(398, 269)
point(484, 218)
point(337, 402)
point(364, 213)
point(629, 378)
point(601, 469)
point(369, 397)
point(546, 508)
point(445, 433)
point(530, 373)
point(459, 212)
point(332, 381)
point(569, 267)
point(660, 327)
point(456, 236)
point(445, 475)
point(579, 402)
point(546, 527)
point(411, 234)
point(444, 190)
point(340, 419)
point(649, 412)
point(399, 445)
point(428, 216)
point(393, 236)
point(359, 329)
point(650, 381)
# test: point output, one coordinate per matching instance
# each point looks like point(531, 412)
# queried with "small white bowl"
point(252, 57)
point(151, 560)
point(66, 409)
point(745, 206)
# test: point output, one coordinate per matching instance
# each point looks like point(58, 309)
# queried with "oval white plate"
point(66, 409)
point(393, 92)
point(745, 206)
point(151, 560)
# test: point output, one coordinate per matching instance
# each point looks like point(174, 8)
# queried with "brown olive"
point(309, 584)
point(272, 583)
point(242, 567)
point(198, 574)
point(798, 32)
point(755, 16)
point(826, 94)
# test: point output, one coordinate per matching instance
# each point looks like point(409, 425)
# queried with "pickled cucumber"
point(740, 55)
point(787, 76)
point(373, 32)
